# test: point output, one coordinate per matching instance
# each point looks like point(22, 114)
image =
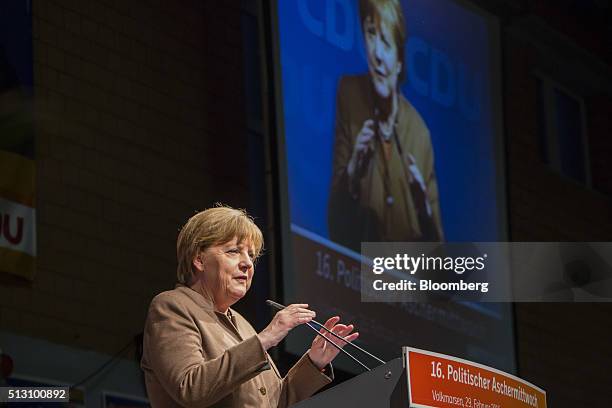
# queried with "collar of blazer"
point(200, 300)
point(207, 304)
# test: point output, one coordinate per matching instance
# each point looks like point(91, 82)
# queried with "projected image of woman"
point(383, 185)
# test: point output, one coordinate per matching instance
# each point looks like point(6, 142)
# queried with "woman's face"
point(227, 271)
point(382, 54)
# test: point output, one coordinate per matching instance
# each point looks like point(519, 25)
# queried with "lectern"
point(423, 378)
point(383, 387)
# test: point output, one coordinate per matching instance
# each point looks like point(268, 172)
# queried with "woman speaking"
point(198, 352)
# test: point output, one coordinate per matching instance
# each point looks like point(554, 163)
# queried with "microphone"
point(281, 307)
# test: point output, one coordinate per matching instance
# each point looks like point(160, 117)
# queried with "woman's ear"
point(198, 263)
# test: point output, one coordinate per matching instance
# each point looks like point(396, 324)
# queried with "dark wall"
point(562, 347)
point(139, 123)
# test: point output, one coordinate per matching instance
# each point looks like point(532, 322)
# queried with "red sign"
point(441, 381)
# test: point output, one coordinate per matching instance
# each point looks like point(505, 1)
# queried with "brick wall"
point(562, 347)
point(140, 122)
point(599, 123)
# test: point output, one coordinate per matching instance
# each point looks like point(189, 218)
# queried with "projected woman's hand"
point(417, 184)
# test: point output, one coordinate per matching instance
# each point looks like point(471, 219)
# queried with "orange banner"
point(17, 215)
point(441, 381)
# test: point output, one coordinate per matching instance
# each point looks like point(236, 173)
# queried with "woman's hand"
point(322, 353)
point(363, 146)
point(285, 320)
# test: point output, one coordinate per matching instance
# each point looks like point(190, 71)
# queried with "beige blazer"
point(363, 211)
point(196, 357)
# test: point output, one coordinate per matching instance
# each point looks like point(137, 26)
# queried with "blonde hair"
point(388, 12)
point(210, 227)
